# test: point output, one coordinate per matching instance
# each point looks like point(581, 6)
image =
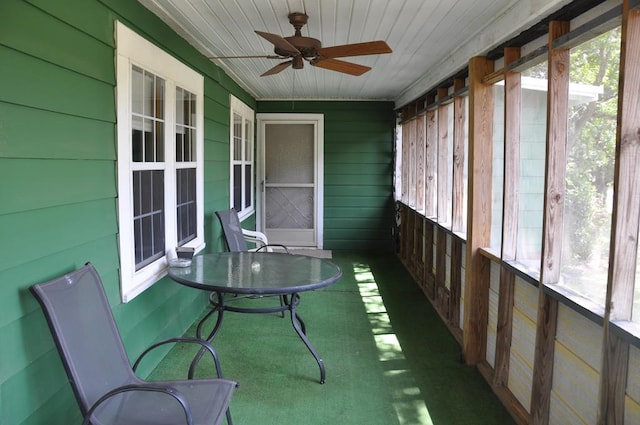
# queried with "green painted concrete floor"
point(389, 358)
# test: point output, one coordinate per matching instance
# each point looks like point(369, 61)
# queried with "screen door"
point(290, 183)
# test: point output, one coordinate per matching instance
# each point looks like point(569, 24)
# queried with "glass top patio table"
point(257, 274)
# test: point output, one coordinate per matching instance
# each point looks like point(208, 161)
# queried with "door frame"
point(290, 118)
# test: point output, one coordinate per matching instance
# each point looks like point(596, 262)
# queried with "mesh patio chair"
point(103, 381)
point(236, 237)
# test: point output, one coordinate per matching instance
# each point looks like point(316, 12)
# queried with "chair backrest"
point(85, 333)
point(232, 230)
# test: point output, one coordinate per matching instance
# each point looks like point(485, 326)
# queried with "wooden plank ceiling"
point(430, 40)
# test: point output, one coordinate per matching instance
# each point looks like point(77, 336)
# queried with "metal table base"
point(218, 304)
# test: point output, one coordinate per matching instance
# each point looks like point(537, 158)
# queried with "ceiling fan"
point(299, 48)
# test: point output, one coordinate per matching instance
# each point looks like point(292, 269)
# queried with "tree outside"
point(590, 166)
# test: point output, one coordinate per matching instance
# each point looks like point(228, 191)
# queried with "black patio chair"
point(103, 381)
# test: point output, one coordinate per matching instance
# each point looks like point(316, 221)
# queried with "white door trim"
point(275, 118)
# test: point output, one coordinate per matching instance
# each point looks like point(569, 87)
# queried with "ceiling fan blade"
point(278, 68)
point(247, 57)
point(341, 66)
point(356, 49)
point(280, 43)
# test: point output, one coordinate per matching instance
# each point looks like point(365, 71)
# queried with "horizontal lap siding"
point(463, 274)
point(632, 399)
point(521, 358)
point(358, 167)
point(216, 161)
point(576, 369)
point(58, 186)
point(492, 322)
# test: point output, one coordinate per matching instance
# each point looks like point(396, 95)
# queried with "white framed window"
point(160, 160)
point(242, 157)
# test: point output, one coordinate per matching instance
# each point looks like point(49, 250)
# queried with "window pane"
point(159, 98)
point(237, 187)
point(248, 149)
point(149, 142)
point(148, 219)
point(180, 94)
point(191, 146)
point(237, 137)
point(186, 205)
point(533, 124)
point(159, 136)
point(147, 124)
point(185, 126)
point(136, 90)
point(497, 178)
point(137, 139)
point(149, 90)
point(192, 110)
point(593, 104)
point(179, 147)
point(247, 187)
point(242, 156)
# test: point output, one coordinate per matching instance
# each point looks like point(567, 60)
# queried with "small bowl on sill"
point(180, 262)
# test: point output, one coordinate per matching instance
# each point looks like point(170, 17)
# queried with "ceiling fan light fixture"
point(297, 62)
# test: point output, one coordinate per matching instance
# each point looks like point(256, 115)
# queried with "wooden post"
point(625, 218)
point(411, 166)
point(557, 110)
point(431, 165)
point(443, 165)
point(459, 122)
point(511, 176)
point(476, 296)
point(420, 161)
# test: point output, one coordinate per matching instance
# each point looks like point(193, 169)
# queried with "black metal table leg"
point(296, 322)
point(219, 307)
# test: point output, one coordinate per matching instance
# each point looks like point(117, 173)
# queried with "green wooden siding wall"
point(58, 186)
point(358, 170)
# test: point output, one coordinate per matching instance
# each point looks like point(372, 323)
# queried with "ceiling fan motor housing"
point(306, 45)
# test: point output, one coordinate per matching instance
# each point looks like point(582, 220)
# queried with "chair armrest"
point(260, 240)
point(269, 246)
point(205, 345)
point(142, 387)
